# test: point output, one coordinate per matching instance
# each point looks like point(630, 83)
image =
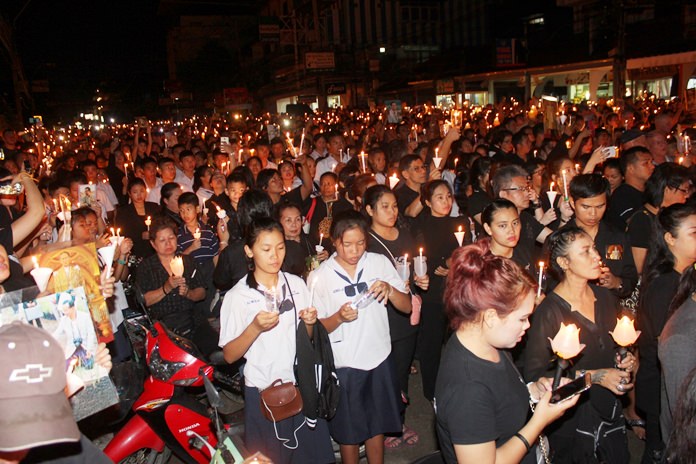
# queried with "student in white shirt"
point(370, 401)
point(258, 321)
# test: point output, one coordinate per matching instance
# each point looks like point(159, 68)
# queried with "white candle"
point(302, 140)
point(197, 234)
point(393, 181)
point(148, 223)
point(35, 261)
point(541, 276)
point(420, 252)
point(460, 235)
point(321, 238)
point(177, 266)
point(362, 161)
point(565, 185)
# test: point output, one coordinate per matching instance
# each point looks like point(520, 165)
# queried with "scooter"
point(167, 417)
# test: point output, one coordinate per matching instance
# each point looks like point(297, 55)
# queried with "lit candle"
point(197, 234)
point(566, 344)
point(552, 193)
point(148, 222)
point(456, 160)
point(321, 238)
point(393, 181)
point(437, 160)
point(624, 333)
point(221, 213)
point(420, 253)
point(177, 266)
point(565, 185)
point(302, 140)
point(541, 276)
point(118, 233)
point(362, 161)
point(113, 232)
point(681, 160)
point(35, 261)
point(577, 168)
point(460, 235)
point(336, 193)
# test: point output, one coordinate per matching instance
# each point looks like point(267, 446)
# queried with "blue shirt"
point(210, 245)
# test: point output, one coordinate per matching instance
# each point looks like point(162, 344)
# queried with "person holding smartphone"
point(481, 402)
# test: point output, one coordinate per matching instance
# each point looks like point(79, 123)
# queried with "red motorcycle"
point(167, 415)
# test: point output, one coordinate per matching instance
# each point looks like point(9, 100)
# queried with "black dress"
point(296, 254)
point(436, 236)
point(133, 226)
point(573, 436)
point(403, 334)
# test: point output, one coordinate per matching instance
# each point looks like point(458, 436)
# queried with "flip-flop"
point(410, 437)
point(393, 442)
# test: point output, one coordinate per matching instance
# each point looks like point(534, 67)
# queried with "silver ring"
point(620, 387)
point(623, 381)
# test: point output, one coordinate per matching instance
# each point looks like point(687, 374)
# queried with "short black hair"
point(495, 206)
point(630, 156)
point(588, 186)
point(346, 220)
point(188, 198)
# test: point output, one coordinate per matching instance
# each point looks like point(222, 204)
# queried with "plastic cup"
point(318, 248)
point(41, 276)
point(404, 270)
point(420, 265)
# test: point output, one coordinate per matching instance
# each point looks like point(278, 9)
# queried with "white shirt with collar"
point(272, 355)
point(365, 342)
point(183, 180)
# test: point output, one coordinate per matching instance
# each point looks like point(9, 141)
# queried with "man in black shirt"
point(636, 166)
point(413, 173)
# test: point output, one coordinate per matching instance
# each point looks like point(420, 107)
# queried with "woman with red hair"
point(481, 401)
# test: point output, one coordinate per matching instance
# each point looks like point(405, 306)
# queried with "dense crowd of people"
point(419, 245)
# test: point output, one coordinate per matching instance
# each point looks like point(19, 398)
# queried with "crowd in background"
point(316, 209)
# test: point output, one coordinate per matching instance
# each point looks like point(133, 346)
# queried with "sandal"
point(410, 437)
point(393, 442)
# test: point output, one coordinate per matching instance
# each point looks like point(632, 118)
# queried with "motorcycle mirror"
point(213, 395)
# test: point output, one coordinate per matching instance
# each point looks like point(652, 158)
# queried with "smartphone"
point(142, 122)
point(611, 152)
point(224, 140)
point(571, 389)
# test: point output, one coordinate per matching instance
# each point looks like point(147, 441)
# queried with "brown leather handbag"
point(280, 401)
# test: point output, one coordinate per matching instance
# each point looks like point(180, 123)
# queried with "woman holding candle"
point(579, 435)
point(168, 297)
point(169, 202)
point(435, 231)
point(130, 218)
point(356, 318)
point(394, 242)
point(201, 183)
point(672, 250)
point(265, 337)
point(298, 245)
point(481, 401)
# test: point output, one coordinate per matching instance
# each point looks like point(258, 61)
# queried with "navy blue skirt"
point(370, 404)
point(311, 445)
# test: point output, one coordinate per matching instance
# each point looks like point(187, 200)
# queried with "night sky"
point(79, 45)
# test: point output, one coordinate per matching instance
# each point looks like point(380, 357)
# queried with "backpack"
point(315, 373)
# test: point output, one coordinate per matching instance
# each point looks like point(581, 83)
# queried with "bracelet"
point(164, 291)
point(122, 262)
point(523, 440)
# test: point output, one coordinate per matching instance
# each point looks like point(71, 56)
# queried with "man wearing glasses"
point(414, 175)
point(511, 183)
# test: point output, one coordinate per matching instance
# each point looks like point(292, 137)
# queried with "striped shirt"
point(210, 245)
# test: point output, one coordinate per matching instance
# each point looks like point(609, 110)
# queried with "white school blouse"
point(272, 355)
point(365, 342)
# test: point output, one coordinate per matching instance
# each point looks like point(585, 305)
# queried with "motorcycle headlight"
point(161, 369)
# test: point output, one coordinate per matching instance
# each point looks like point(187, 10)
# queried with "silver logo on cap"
point(31, 373)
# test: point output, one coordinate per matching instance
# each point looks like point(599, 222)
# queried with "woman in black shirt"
point(481, 402)
point(594, 432)
point(387, 239)
point(673, 250)
point(435, 233)
point(501, 221)
point(298, 246)
point(131, 218)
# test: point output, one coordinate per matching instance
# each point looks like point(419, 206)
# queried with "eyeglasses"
point(513, 189)
point(684, 191)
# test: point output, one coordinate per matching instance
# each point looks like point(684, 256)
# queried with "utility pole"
point(619, 67)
